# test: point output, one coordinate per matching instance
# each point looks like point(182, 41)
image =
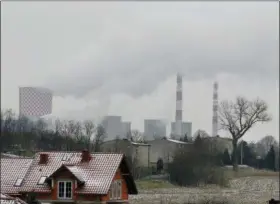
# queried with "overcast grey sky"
point(121, 58)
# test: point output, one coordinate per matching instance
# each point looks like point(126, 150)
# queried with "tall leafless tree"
point(9, 121)
point(89, 129)
point(99, 138)
point(239, 116)
point(264, 145)
point(58, 126)
point(117, 146)
point(136, 136)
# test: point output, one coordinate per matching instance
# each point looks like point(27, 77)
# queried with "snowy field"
point(241, 190)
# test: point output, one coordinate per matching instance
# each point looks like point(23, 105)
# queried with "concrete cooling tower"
point(35, 101)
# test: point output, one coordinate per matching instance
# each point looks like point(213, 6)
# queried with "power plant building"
point(35, 102)
point(186, 130)
point(154, 128)
point(126, 128)
point(114, 127)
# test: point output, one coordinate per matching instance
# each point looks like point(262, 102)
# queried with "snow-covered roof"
point(177, 141)
point(5, 199)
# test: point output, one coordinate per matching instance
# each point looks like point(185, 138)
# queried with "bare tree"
point(239, 116)
point(71, 128)
point(40, 126)
point(264, 145)
point(65, 132)
point(58, 126)
point(23, 124)
point(136, 136)
point(89, 129)
point(9, 121)
point(99, 138)
point(78, 131)
point(117, 146)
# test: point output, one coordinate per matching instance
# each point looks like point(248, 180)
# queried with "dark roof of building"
point(97, 173)
point(218, 138)
point(13, 170)
point(10, 156)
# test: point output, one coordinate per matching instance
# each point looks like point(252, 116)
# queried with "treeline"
point(262, 155)
point(204, 164)
point(198, 165)
point(21, 136)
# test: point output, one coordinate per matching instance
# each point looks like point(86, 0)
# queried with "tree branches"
point(240, 116)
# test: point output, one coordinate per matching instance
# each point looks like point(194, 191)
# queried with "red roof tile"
point(98, 173)
point(11, 170)
point(76, 172)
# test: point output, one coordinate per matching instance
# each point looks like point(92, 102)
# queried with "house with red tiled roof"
point(78, 177)
point(13, 171)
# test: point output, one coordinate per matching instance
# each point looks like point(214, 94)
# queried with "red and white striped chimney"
point(179, 107)
point(215, 110)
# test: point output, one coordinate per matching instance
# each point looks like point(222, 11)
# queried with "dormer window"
point(65, 189)
point(18, 182)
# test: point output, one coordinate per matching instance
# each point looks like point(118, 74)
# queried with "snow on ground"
point(242, 190)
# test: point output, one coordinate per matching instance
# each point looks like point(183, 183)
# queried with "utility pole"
point(150, 171)
point(241, 149)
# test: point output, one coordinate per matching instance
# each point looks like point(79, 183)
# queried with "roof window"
point(18, 182)
point(42, 180)
point(66, 157)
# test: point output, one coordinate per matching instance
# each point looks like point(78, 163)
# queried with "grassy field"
point(153, 184)
point(247, 186)
point(251, 173)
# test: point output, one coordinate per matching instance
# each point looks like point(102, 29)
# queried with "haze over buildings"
point(126, 128)
point(186, 130)
point(154, 128)
point(125, 62)
point(115, 127)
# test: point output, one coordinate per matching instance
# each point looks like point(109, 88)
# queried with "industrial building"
point(126, 128)
point(154, 128)
point(114, 127)
point(35, 102)
point(186, 130)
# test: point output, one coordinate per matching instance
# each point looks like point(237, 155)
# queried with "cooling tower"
point(35, 101)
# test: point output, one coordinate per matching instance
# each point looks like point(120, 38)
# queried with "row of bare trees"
point(236, 117)
point(26, 135)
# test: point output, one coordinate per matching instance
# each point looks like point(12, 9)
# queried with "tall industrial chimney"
point(215, 110)
point(179, 106)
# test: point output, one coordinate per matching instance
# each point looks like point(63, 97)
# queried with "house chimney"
point(43, 158)
point(86, 156)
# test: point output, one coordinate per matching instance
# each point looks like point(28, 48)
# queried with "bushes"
point(200, 165)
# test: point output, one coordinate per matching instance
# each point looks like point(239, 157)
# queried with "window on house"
point(18, 182)
point(65, 189)
point(42, 180)
point(116, 190)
